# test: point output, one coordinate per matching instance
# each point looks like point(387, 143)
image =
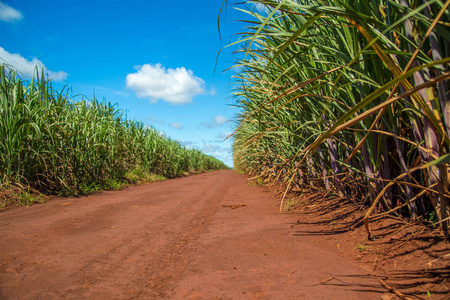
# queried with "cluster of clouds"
point(215, 122)
point(216, 146)
point(218, 151)
point(213, 148)
point(155, 82)
point(175, 86)
point(151, 81)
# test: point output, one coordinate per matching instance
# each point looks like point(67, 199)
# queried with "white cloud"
point(262, 8)
point(154, 120)
point(176, 86)
point(219, 120)
point(9, 14)
point(216, 122)
point(27, 67)
point(175, 125)
point(224, 135)
point(211, 148)
point(190, 145)
point(187, 143)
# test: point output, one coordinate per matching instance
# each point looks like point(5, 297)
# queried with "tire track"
point(179, 257)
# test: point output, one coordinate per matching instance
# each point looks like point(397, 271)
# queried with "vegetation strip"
point(50, 143)
point(351, 96)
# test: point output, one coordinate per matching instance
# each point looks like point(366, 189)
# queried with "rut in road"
point(206, 236)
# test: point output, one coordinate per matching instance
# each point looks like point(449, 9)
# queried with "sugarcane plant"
point(52, 143)
point(349, 95)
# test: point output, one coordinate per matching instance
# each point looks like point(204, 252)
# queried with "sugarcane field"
point(307, 158)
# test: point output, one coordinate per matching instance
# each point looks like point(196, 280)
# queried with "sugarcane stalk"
point(435, 174)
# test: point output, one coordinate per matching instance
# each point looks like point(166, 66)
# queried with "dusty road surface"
point(207, 236)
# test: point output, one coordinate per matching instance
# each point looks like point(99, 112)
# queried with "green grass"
point(140, 176)
point(29, 199)
point(257, 182)
point(291, 204)
point(362, 247)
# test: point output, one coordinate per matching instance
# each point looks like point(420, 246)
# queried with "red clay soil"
point(207, 236)
point(411, 260)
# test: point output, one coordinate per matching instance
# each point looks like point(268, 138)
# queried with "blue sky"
point(155, 59)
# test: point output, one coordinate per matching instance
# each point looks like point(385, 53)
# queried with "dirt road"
point(207, 236)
